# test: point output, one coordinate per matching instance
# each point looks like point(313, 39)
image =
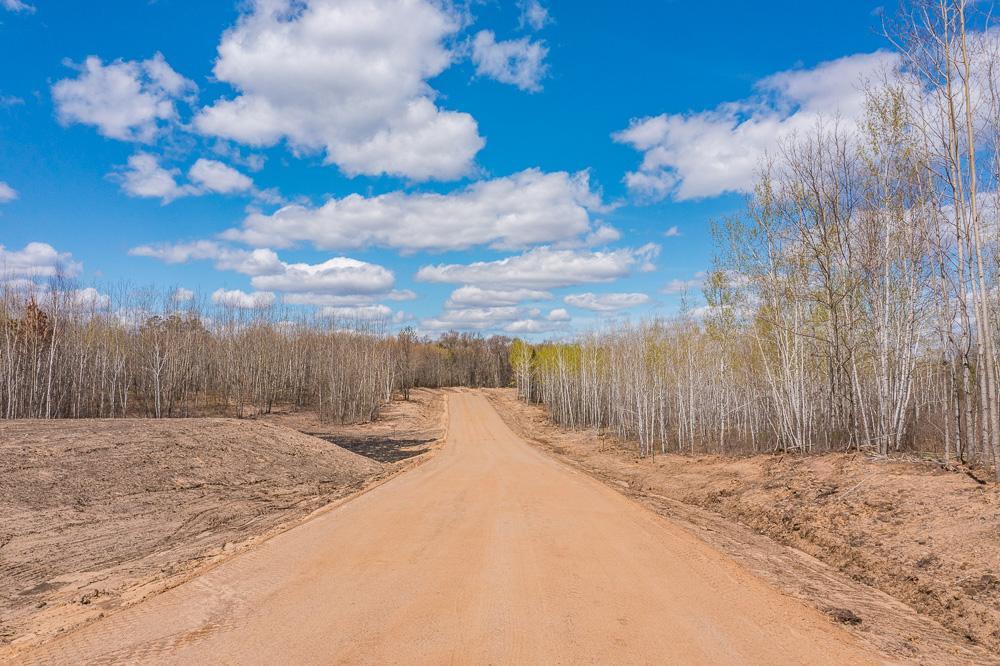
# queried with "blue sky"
point(509, 167)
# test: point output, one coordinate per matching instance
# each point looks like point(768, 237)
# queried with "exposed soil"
point(100, 514)
point(923, 535)
point(490, 553)
point(405, 429)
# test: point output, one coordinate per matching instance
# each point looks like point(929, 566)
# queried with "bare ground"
point(919, 534)
point(490, 553)
point(101, 514)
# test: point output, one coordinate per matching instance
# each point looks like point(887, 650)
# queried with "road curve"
point(489, 553)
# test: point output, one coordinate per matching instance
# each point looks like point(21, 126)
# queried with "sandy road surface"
point(489, 553)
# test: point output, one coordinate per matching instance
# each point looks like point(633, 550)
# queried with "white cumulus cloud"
point(533, 14)
point(374, 312)
point(236, 298)
point(527, 208)
point(261, 261)
point(37, 260)
point(545, 268)
point(314, 283)
point(126, 100)
point(606, 302)
point(703, 154)
point(215, 176)
point(471, 296)
point(345, 300)
point(523, 326)
point(476, 319)
point(349, 78)
point(340, 275)
point(519, 62)
point(87, 298)
point(145, 177)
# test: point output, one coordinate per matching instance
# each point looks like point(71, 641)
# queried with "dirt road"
point(489, 553)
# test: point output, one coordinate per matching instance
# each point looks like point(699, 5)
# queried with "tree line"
point(72, 353)
point(854, 304)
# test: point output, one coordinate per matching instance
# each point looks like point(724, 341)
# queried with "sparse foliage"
point(139, 354)
point(855, 302)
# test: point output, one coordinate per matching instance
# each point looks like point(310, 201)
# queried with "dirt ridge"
point(101, 515)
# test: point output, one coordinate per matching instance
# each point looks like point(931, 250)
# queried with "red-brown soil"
point(100, 514)
point(923, 535)
point(490, 553)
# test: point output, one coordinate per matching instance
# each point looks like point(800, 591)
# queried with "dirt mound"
point(926, 536)
point(102, 513)
point(922, 534)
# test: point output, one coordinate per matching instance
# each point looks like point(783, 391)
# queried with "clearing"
point(491, 552)
point(101, 514)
